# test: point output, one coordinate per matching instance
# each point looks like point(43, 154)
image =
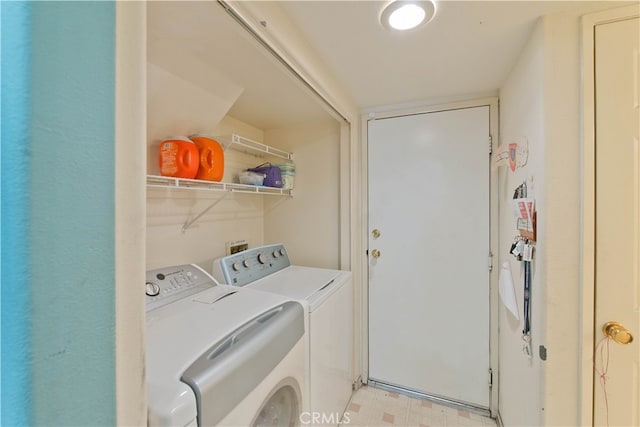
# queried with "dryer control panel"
point(166, 285)
point(253, 264)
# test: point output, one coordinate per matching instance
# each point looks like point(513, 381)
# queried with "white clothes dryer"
point(218, 355)
point(328, 294)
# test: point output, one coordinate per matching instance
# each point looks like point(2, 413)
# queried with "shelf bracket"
point(190, 222)
point(227, 143)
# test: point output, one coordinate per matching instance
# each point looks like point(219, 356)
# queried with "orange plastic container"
point(211, 158)
point(178, 157)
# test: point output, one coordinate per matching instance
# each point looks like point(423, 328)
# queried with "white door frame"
point(492, 103)
point(589, 22)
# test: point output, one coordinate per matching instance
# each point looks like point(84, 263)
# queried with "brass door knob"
point(375, 233)
point(375, 253)
point(617, 332)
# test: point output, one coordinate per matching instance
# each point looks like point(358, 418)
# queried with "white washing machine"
point(328, 295)
point(218, 355)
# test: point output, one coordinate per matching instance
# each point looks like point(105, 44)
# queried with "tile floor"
point(375, 407)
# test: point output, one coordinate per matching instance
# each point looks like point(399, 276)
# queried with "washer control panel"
point(166, 285)
point(248, 266)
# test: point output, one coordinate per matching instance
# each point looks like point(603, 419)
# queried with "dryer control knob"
point(152, 289)
point(245, 263)
point(276, 254)
point(236, 266)
point(262, 258)
point(281, 251)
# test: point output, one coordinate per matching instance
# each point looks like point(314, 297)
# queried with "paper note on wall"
point(514, 153)
point(523, 213)
point(507, 291)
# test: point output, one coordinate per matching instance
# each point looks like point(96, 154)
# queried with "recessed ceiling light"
point(405, 15)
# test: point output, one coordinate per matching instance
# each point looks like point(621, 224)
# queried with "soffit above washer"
point(200, 43)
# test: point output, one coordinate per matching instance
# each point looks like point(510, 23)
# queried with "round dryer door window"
point(281, 409)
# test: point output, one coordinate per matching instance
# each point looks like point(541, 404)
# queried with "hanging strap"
point(526, 332)
point(266, 164)
point(527, 298)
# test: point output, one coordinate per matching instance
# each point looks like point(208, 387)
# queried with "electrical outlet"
point(237, 246)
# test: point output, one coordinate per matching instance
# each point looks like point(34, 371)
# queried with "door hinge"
point(490, 263)
point(490, 145)
point(490, 377)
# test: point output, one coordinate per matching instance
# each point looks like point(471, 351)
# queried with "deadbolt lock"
point(375, 253)
point(617, 332)
point(375, 233)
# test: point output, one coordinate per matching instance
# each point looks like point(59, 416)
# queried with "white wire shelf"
point(157, 181)
point(235, 142)
point(240, 143)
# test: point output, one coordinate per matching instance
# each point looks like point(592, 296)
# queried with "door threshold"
point(433, 398)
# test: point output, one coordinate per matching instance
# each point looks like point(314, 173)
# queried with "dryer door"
point(282, 408)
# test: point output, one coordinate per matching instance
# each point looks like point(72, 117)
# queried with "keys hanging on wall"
point(521, 191)
point(522, 249)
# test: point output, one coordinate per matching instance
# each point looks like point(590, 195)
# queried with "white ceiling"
point(468, 48)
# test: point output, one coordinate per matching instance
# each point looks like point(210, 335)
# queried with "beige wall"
point(540, 100)
point(131, 408)
point(562, 189)
point(522, 115)
point(308, 223)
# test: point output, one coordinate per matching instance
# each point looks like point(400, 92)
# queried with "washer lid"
point(178, 333)
point(303, 283)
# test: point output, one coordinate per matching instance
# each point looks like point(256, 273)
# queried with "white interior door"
point(429, 286)
point(617, 285)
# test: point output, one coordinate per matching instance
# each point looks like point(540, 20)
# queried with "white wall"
point(308, 223)
point(562, 188)
point(540, 101)
point(522, 115)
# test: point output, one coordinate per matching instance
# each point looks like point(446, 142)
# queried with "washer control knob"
point(262, 258)
point(152, 289)
point(245, 263)
point(281, 251)
point(276, 254)
point(236, 266)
